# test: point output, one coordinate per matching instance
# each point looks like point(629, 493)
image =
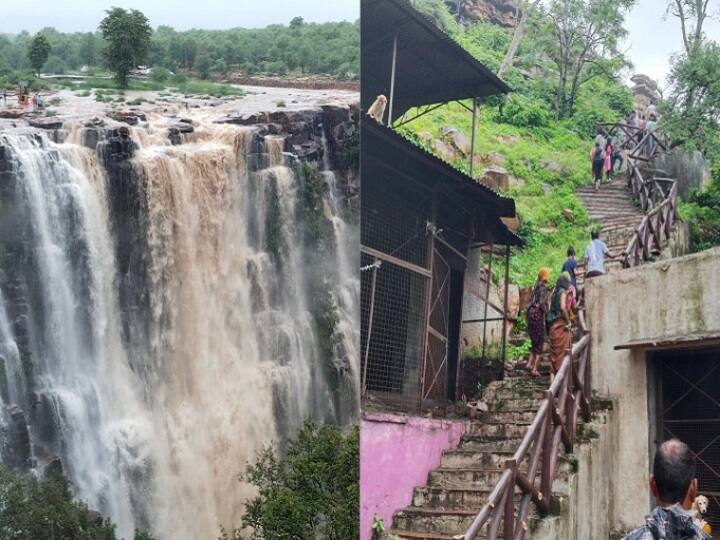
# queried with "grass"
point(551, 161)
point(190, 86)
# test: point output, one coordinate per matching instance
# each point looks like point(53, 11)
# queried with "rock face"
point(645, 90)
point(500, 12)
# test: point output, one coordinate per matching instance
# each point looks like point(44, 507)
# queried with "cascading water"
point(166, 311)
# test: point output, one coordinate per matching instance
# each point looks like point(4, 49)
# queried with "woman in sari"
point(536, 313)
point(558, 321)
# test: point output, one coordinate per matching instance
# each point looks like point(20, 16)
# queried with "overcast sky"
point(84, 15)
point(654, 37)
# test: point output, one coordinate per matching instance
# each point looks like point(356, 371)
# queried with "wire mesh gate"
point(689, 409)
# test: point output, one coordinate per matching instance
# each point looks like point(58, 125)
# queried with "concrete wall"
point(396, 454)
point(585, 493)
point(664, 299)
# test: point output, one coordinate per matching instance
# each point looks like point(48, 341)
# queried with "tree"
point(202, 64)
point(313, 490)
point(693, 107)
point(128, 35)
point(38, 52)
point(584, 39)
point(520, 16)
point(34, 508)
point(692, 15)
point(88, 50)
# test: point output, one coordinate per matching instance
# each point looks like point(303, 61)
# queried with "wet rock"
point(52, 467)
point(16, 451)
point(13, 114)
point(46, 123)
point(132, 117)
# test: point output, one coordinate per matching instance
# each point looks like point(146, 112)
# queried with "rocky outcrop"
point(500, 12)
point(645, 90)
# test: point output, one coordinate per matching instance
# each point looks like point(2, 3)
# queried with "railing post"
point(547, 442)
point(509, 510)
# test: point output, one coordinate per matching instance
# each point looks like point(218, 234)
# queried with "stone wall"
point(674, 297)
point(396, 454)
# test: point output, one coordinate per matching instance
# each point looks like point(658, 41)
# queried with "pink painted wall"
point(396, 454)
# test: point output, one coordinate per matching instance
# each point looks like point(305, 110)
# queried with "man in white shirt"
point(595, 254)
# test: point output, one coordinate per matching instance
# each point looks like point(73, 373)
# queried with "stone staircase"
point(613, 210)
point(445, 507)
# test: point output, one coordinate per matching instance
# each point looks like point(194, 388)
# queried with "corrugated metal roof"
point(431, 67)
point(387, 146)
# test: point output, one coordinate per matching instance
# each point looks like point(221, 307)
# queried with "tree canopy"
point(127, 34)
point(312, 491)
point(299, 49)
point(34, 508)
point(38, 52)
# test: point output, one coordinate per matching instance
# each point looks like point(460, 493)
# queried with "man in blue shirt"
point(570, 265)
point(595, 254)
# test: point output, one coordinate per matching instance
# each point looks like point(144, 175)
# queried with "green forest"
point(297, 49)
point(542, 132)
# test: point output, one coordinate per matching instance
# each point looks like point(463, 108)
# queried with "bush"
point(521, 111)
point(159, 74)
point(311, 492)
point(178, 78)
point(33, 509)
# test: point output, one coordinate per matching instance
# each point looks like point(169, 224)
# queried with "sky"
point(654, 38)
point(84, 15)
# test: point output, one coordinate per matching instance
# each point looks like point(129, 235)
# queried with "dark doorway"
point(688, 408)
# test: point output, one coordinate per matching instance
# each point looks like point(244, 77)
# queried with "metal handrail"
point(554, 422)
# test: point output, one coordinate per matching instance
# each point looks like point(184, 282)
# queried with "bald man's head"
point(673, 471)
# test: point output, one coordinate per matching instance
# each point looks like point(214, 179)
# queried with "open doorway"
point(687, 406)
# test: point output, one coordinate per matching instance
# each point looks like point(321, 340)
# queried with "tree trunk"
point(515, 43)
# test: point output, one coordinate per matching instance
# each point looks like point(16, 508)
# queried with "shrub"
point(159, 74)
point(522, 111)
point(311, 492)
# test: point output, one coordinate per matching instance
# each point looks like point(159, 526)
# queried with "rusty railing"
point(554, 423)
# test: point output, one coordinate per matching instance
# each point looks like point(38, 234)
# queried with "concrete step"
point(460, 458)
point(434, 520)
point(478, 444)
point(447, 497)
point(397, 534)
point(498, 431)
point(468, 476)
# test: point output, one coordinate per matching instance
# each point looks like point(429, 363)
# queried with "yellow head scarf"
point(543, 274)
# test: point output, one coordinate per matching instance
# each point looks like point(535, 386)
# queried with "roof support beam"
point(392, 80)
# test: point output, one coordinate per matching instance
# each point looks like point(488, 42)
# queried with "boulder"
point(457, 139)
point(496, 178)
point(569, 215)
point(444, 150)
point(513, 303)
point(494, 158)
point(524, 296)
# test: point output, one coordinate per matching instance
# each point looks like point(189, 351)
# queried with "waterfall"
point(158, 314)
